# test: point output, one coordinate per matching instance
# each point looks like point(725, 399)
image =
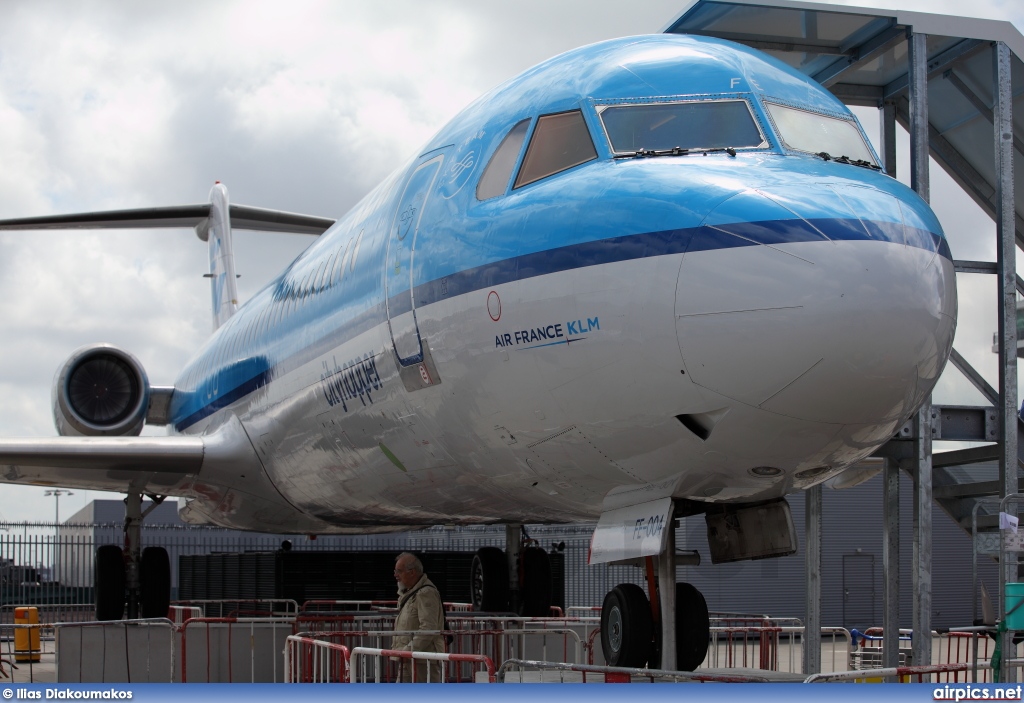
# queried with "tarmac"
point(42, 671)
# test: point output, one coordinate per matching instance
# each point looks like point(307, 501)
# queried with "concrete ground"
point(42, 671)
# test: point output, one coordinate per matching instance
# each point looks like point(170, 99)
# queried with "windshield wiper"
point(847, 160)
point(674, 151)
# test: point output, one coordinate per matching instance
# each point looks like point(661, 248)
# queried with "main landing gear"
point(517, 579)
point(132, 579)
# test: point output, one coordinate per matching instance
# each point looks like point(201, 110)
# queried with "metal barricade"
point(309, 660)
point(313, 606)
point(243, 607)
point(382, 670)
point(502, 637)
point(322, 605)
point(121, 651)
point(338, 621)
point(588, 673)
point(178, 614)
point(496, 645)
point(866, 652)
point(227, 650)
point(967, 646)
point(902, 674)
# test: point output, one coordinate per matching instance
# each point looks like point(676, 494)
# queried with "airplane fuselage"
point(723, 323)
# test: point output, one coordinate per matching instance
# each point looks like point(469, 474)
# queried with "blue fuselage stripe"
point(557, 260)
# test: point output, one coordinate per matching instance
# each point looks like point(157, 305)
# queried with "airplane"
point(650, 278)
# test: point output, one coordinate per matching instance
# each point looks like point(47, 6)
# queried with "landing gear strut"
point(132, 579)
point(516, 580)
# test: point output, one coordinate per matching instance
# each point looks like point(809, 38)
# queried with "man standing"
point(419, 610)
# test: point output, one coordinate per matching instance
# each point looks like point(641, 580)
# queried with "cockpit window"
point(816, 133)
point(559, 142)
point(706, 124)
point(495, 179)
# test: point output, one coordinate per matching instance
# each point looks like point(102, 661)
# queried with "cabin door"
point(400, 262)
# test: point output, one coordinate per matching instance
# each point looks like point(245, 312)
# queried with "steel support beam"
point(974, 377)
point(667, 595)
point(959, 51)
point(922, 470)
point(891, 565)
point(812, 566)
point(887, 138)
point(980, 190)
point(918, 96)
point(978, 104)
point(862, 54)
point(1002, 113)
point(922, 621)
point(755, 41)
point(513, 543)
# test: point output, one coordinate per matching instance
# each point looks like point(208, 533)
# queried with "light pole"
point(56, 493)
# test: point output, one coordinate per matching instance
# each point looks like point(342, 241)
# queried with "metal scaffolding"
point(949, 82)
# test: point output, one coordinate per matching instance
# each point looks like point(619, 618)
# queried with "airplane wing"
point(242, 217)
point(162, 465)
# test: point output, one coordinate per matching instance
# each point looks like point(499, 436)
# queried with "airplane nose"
point(829, 303)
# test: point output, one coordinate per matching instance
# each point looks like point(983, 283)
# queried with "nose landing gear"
point(631, 637)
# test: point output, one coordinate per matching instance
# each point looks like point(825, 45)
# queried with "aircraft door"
point(398, 277)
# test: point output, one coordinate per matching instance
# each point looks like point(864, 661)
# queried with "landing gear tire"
point(488, 580)
point(626, 626)
point(693, 627)
point(536, 584)
point(155, 583)
point(109, 579)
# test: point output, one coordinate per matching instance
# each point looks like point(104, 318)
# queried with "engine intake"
point(100, 391)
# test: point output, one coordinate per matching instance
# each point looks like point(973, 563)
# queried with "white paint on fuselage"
point(838, 346)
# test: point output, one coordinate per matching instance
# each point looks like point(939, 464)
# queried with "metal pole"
point(1002, 113)
point(133, 551)
point(918, 96)
point(513, 542)
point(812, 565)
point(667, 595)
point(887, 124)
point(891, 565)
point(919, 181)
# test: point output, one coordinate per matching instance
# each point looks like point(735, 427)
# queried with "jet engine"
point(100, 391)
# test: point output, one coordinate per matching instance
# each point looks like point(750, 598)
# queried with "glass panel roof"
point(861, 55)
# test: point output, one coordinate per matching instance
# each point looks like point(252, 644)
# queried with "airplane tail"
point(216, 230)
point(212, 223)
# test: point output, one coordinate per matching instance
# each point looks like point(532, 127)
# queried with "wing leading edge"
point(164, 465)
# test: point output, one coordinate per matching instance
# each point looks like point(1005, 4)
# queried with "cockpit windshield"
point(692, 125)
point(817, 133)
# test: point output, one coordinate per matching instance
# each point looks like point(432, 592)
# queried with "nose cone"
point(828, 303)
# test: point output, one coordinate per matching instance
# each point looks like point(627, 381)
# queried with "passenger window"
point(499, 169)
point(559, 142)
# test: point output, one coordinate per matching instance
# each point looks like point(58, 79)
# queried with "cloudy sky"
point(300, 106)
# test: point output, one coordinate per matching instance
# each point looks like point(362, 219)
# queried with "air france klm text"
point(547, 335)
